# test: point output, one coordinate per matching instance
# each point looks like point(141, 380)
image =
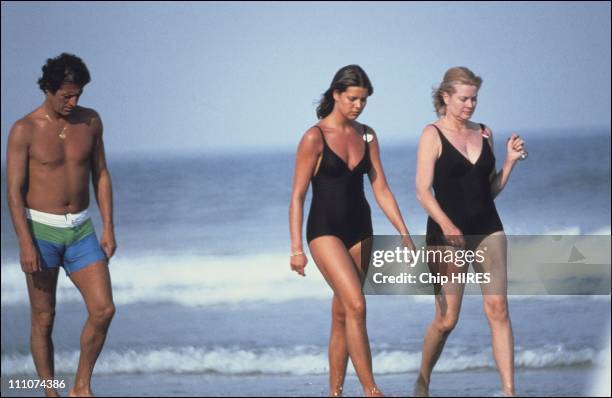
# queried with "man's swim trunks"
point(68, 240)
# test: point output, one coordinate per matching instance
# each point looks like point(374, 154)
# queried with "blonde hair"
point(452, 77)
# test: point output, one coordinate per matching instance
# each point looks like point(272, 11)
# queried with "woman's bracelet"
point(296, 253)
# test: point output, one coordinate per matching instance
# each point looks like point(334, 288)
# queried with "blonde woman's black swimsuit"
point(463, 191)
point(339, 207)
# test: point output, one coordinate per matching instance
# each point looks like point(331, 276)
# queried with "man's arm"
point(17, 153)
point(103, 189)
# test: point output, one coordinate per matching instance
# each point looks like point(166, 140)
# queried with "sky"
point(224, 77)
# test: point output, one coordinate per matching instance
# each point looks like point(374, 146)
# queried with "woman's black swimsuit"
point(339, 207)
point(463, 191)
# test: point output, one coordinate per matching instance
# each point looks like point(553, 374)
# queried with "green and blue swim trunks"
point(68, 240)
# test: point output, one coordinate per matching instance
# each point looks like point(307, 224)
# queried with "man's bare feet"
point(86, 392)
point(51, 392)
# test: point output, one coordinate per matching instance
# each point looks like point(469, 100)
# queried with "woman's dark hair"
point(347, 76)
point(65, 68)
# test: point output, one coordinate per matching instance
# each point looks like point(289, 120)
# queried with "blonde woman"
point(456, 159)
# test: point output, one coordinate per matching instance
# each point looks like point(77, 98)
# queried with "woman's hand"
point(453, 236)
point(515, 148)
point(298, 263)
point(407, 242)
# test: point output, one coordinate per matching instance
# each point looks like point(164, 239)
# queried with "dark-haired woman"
point(333, 155)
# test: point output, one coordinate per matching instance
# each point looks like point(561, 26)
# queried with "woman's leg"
point(496, 306)
point(338, 350)
point(341, 273)
point(448, 305)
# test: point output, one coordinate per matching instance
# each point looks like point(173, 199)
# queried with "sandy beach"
point(557, 382)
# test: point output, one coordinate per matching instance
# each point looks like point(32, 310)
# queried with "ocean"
point(207, 305)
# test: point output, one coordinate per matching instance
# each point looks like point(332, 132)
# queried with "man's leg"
point(41, 289)
point(94, 284)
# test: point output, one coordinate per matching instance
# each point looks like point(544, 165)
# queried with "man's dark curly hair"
point(65, 68)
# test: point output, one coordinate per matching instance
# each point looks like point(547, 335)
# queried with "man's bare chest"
point(51, 150)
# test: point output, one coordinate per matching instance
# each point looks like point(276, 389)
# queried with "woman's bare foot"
point(373, 392)
point(335, 392)
point(421, 388)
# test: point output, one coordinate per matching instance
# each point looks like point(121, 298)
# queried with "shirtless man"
point(51, 154)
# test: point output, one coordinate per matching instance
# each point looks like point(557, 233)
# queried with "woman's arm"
point(380, 187)
point(514, 149)
point(430, 148)
point(308, 152)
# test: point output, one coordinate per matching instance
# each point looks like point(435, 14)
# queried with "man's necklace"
point(62, 134)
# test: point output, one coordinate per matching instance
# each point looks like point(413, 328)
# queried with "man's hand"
point(107, 242)
point(29, 259)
